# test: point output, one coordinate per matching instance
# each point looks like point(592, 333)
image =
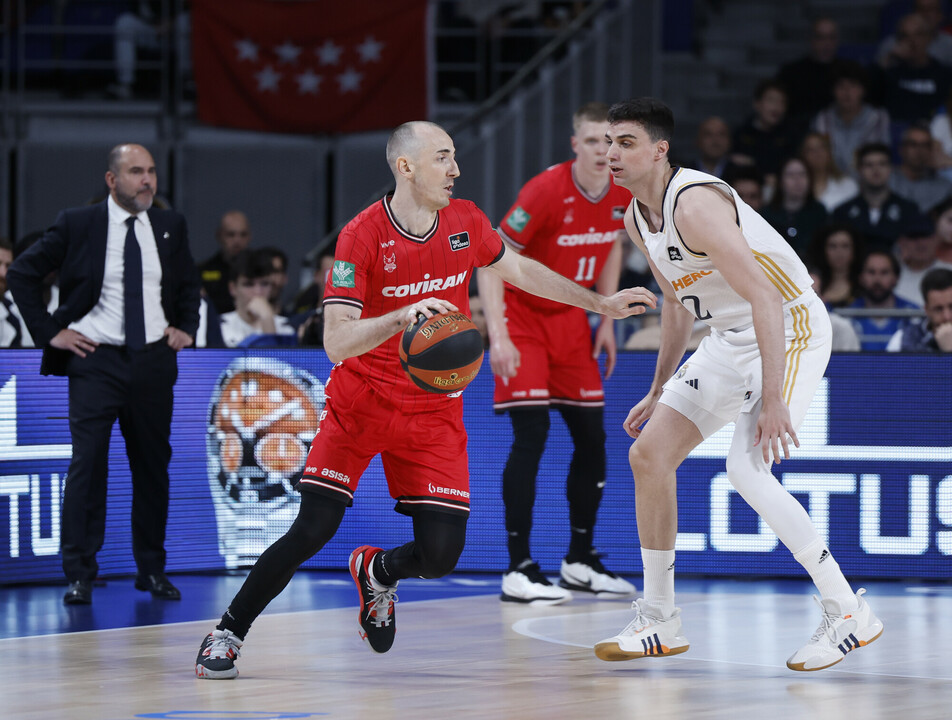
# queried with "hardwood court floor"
point(472, 656)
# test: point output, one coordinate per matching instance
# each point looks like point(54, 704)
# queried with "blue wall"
point(874, 470)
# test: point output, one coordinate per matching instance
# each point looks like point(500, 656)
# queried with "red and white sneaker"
point(378, 622)
point(217, 655)
point(839, 633)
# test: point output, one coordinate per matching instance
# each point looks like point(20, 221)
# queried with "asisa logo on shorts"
point(344, 273)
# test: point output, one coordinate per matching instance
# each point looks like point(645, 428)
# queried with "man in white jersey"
point(718, 261)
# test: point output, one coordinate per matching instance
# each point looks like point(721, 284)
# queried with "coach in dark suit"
point(129, 296)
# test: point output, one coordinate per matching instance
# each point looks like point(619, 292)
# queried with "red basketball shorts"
point(556, 363)
point(424, 454)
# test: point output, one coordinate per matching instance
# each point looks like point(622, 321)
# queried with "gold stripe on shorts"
point(801, 340)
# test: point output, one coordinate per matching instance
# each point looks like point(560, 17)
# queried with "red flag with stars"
point(310, 66)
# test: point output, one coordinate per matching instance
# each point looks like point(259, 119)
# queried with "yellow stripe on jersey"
point(788, 289)
point(801, 340)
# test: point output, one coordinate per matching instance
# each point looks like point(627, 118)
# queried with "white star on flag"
point(369, 49)
point(308, 82)
point(247, 50)
point(288, 51)
point(349, 80)
point(268, 79)
point(329, 53)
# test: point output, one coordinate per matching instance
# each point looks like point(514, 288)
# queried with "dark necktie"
point(14, 322)
point(132, 289)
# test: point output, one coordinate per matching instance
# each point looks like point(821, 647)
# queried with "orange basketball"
point(442, 354)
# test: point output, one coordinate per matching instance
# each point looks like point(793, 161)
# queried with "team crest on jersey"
point(459, 241)
point(344, 274)
point(390, 263)
point(569, 215)
point(618, 212)
point(518, 219)
point(674, 254)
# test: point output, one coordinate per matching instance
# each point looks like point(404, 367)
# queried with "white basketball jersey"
point(696, 282)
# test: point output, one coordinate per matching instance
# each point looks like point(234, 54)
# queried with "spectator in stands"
point(144, 28)
point(876, 212)
point(11, 324)
point(233, 236)
point(713, 147)
point(849, 121)
point(831, 186)
point(912, 85)
point(941, 129)
point(809, 80)
point(933, 333)
point(845, 338)
point(917, 249)
point(767, 137)
point(793, 211)
point(939, 44)
point(310, 297)
point(250, 286)
point(836, 258)
point(915, 177)
point(279, 278)
point(942, 217)
point(749, 184)
point(877, 283)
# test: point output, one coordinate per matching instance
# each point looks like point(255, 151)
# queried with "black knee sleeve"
point(438, 540)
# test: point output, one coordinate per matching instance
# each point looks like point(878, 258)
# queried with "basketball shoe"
point(526, 584)
point(838, 634)
point(216, 656)
point(378, 622)
point(645, 636)
point(589, 575)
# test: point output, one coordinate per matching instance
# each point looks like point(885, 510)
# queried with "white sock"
point(659, 581)
point(826, 574)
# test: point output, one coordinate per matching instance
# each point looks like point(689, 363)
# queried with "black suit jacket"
point(76, 246)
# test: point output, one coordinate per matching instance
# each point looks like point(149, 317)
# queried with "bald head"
point(407, 141)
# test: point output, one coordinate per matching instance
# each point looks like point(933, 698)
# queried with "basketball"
point(442, 354)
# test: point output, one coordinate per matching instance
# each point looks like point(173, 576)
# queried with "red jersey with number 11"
point(380, 267)
point(557, 223)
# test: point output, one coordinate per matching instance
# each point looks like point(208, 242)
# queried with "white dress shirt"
point(105, 323)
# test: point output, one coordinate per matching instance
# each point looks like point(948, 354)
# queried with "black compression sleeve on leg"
point(317, 520)
point(530, 428)
point(586, 478)
point(438, 540)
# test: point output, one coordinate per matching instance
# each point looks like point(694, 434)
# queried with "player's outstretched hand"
point(428, 307)
point(628, 302)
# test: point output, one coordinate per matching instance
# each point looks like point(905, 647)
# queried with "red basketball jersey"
point(557, 223)
point(380, 267)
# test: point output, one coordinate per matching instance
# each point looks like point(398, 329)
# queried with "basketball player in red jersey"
point(411, 253)
point(542, 354)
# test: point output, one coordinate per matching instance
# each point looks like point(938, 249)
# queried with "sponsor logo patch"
point(459, 241)
point(344, 274)
point(518, 219)
point(674, 254)
point(618, 212)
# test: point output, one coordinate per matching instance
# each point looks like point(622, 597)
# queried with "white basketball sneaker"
point(838, 634)
point(526, 584)
point(645, 636)
point(590, 576)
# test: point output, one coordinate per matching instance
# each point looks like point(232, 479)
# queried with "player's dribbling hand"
point(628, 302)
point(428, 307)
